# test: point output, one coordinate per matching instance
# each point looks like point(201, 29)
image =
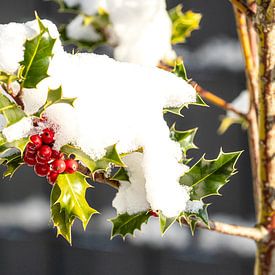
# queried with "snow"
point(141, 28)
point(19, 130)
point(12, 46)
point(78, 31)
point(194, 206)
point(131, 197)
point(117, 103)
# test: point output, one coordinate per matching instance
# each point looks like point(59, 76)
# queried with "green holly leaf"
point(184, 138)
point(55, 97)
point(165, 222)
point(125, 224)
point(111, 156)
point(121, 175)
point(193, 218)
point(12, 112)
point(61, 220)
point(183, 23)
point(206, 177)
point(71, 203)
point(83, 44)
point(5, 146)
point(12, 165)
point(37, 55)
point(174, 110)
point(180, 71)
point(227, 122)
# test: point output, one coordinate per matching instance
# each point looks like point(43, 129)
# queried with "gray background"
point(27, 240)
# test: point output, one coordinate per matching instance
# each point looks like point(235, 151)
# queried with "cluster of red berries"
point(47, 162)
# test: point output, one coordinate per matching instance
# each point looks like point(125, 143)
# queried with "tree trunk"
point(265, 25)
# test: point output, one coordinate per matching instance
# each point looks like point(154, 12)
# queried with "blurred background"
point(27, 239)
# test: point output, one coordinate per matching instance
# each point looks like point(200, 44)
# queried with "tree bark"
point(265, 26)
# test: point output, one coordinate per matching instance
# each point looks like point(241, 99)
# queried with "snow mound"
point(142, 29)
point(117, 103)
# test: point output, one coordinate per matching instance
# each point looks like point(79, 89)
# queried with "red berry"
point(42, 170)
point(153, 213)
point(45, 152)
point(30, 154)
point(36, 141)
point(30, 161)
point(52, 177)
point(71, 166)
point(41, 160)
point(30, 147)
point(57, 155)
point(58, 166)
point(48, 136)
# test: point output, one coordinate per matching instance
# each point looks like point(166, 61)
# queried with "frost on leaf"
point(125, 224)
point(68, 202)
point(192, 218)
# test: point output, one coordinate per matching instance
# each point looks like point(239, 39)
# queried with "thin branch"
point(217, 100)
point(246, 40)
point(253, 233)
point(98, 177)
point(244, 8)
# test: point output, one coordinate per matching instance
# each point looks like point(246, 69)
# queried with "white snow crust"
point(142, 28)
point(117, 103)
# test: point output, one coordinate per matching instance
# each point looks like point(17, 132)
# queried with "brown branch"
point(98, 177)
point(248, 43)
point(253, 233)
point(209, 96)
point(244, 8)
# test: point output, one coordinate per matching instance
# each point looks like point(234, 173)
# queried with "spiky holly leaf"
point(206, 177)
point(61, 220)
point(180, 71)
point(83, 44)
point(165, 222)
point(17, 144)
point(184, 138)
point(72, 203)
point(37, 55)
point(55, 97)
point(121, 174)
point(227, 122)
point(174, 110)
point(11, 112)
point(124, 224)
point(12, 166)
point(193, 218)
point(183, 23)
point(111, 156)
